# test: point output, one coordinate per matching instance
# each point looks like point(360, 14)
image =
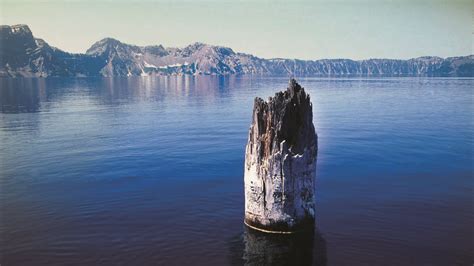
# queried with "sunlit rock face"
point(280, 162)
point(23, 55)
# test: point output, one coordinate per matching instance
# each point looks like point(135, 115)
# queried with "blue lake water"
point(149, 171)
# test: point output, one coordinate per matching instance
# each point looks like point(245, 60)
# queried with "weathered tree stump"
point(280, 163)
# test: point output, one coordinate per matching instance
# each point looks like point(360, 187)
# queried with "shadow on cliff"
point(256, 248)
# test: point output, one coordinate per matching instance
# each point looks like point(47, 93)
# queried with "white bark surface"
point(280, 181)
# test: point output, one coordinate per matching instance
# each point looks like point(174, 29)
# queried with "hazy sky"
point(300, 29)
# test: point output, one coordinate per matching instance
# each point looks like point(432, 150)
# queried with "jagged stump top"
point(280, 163)
point(288, 116)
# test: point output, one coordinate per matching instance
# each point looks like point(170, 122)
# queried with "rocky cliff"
point(280, 162)
point(23, 55)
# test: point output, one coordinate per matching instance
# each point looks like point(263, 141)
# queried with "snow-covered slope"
point(23, 55)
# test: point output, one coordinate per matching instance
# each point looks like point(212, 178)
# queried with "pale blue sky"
point(300, 29)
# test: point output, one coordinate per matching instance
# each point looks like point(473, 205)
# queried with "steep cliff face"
point(123, 59)
point(16, 45)
point(23, 55)
point(280, 162)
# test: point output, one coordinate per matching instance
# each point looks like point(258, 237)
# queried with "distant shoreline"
point(23, 55)
point(338, 77)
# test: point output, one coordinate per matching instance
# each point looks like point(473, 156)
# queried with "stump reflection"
point(258, 248)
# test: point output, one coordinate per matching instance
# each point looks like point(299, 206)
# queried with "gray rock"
point(280, 163)
point(22, 55)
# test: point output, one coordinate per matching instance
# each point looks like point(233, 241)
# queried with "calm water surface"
point(149, 171)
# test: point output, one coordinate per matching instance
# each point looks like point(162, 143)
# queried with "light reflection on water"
point(140, 171)
point(256, 248)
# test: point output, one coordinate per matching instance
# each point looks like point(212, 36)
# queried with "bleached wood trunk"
point(280, 163)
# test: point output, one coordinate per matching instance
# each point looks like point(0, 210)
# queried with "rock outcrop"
point(23, 55)
point(280, 163)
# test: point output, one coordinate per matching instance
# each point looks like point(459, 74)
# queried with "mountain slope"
point(23, 55)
